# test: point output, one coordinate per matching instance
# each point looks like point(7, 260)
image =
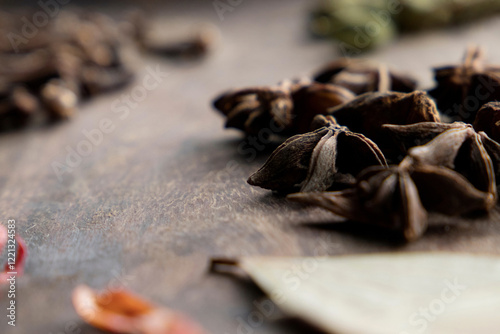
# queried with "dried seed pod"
point(287, 108)
point(488, 120)
point(445, 191)
point(384, 197)
point(315, 99)
point(398, 198)
point(367, 114)
point(461, 90)
point(462, 150)
point(315, 161)
point(253, 109)
point(407, 136)
point(361, 77)
point(493, 149)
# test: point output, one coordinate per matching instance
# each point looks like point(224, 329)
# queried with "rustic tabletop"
point(161, 188)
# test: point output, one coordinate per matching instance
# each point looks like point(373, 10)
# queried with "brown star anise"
point(361, 77)
point(315, 161)
point(399, 197)
point(286, 109)
point(455, 145)
point(463, 151)
point(461, 90)
point(488, 120)
point(368, 112)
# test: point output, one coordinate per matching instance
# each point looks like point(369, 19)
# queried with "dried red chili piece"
point(17, 266)
point(120, 311)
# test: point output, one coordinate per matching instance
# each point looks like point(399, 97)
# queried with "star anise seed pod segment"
point(315, 161)
point(399, 197)
point(367, 114)
point(408, 136)
point(461, 90)
point(488, 120)
point(461, 148)
point(463, 151)
point(315, 99)
point(362, 77)
point(290, 106)
point(253, 109)
point(383, 197)
point(445, 191)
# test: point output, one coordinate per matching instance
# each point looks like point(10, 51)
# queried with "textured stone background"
point(155, 200)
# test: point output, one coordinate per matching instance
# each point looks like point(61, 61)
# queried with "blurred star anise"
point(461, 90)
point(315, 161)
point(398, 198)
point(488, 120)
point(285, 109)
point(361, 77)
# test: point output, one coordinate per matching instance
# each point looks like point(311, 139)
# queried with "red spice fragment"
point(120, 311)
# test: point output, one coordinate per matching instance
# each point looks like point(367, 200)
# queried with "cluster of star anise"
point(381, 154)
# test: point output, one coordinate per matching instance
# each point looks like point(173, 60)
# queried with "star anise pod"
point(461, 90)
point(398, 198)
point(462, 150)
point(286, 109)
point(319, 160)
point(488, 120)
point(361, 77)
point(455, 145)
point(368, 112)
point(255, 108)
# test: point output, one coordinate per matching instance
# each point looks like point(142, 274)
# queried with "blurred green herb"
point(361, 25)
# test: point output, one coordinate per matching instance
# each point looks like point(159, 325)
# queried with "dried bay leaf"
point(382, 293)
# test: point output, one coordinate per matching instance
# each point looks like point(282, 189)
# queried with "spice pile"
point(45, 70)
point(363, 143)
